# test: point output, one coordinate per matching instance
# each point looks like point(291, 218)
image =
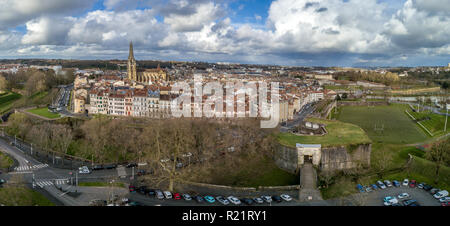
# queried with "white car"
point(286, 198)
point(444, 199)
point(403, 196)
point(441, 194)
point(381, 185)
point(234, 200)
point(187, 197)
point(222, 200)
point(159, 194)
point(258, 200)
point(388, 183)
point(84, 170)
point(389, 201)
point(405, 182)
point(167, 194)
point(266, 198)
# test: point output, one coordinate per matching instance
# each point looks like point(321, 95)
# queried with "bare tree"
point(439, 154)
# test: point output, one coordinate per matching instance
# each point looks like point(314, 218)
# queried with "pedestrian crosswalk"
point(43, 183)
point(30, 168)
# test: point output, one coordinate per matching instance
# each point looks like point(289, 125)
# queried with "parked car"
point(368, 189)
point(159, 194)
point(405, 182)
point(360, 188)
point(276, 198)
point(130, 165)
point(445, 204)
point(141, 190)
point(396, 183)
point(427, 187)
point(444, 199)
point(374, 186)
point(389, 201)
point(177, 196)
point(234, 200)
point(420, 185)
point(2, 181)
point(111, 166)
point(412, 184)
point(150, 192)
point(403, 196)
point(222, 200)
point(247, 201)
point(198, 198)
point(388, 183)
point(441, 194)
point(266, 198)
point(434, 191)
point(98, 167)
point(258, 200)
point(132, 188)
point(209, 199)
point(381, 185)
point(286, 198)
point(187, 197)
point(167, 194)
point(409, 202)
point(84, 170)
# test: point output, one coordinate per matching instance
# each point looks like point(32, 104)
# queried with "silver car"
point(222, 200)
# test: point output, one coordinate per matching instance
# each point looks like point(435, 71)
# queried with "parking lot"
point(424, 198)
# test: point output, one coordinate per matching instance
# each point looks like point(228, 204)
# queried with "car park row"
point(442, 196)
point(166, 195)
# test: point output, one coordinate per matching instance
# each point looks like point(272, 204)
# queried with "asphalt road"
point(298, 118)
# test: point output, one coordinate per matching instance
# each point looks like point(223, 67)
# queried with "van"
point(441, 194)
point(159, 194)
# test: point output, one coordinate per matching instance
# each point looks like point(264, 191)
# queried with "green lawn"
point(5, 161)
point(433, 122)
point(44, 112)
point(101, 184)
point(245, 171)
point(339, 133)
point(385, 124)
point(7, 100)
point(21, 196)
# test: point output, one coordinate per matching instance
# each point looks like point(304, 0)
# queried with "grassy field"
point(7, 100)
point(339, 133)
point(391, 123)
point(21, 196)
point(433, 122)
point(101, 184)
point(5, 161)
point(44, 112)
point(245, 171)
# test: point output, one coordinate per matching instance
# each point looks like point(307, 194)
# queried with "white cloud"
point(47, 31)
point(14, 12)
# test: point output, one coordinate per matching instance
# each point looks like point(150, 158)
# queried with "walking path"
point(308, 184)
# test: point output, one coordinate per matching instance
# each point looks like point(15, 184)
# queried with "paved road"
point(308, 184)
point(298, 118)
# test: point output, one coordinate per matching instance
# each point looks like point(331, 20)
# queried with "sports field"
point(384, 124)
point(433, 122)
point(7, 100)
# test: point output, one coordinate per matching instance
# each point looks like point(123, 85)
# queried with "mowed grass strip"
point(339, 133)
point(7, 100)
point(384, 124)
point(101, 184)
point(44, 112)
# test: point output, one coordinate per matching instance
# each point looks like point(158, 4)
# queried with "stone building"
point(146, 76)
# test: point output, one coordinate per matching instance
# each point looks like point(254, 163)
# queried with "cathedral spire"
point(131, 56)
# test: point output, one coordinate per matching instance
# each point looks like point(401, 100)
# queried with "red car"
point(176, 196)
point(412, 184)
point(132, 188)
point(445, 204)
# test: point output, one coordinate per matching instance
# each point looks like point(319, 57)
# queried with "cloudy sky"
point(284, 32)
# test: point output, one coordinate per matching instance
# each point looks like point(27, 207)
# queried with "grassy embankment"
point(44, 112)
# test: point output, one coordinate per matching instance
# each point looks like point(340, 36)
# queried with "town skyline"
point(282, 32)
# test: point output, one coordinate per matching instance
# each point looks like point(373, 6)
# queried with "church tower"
point(132, 74)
